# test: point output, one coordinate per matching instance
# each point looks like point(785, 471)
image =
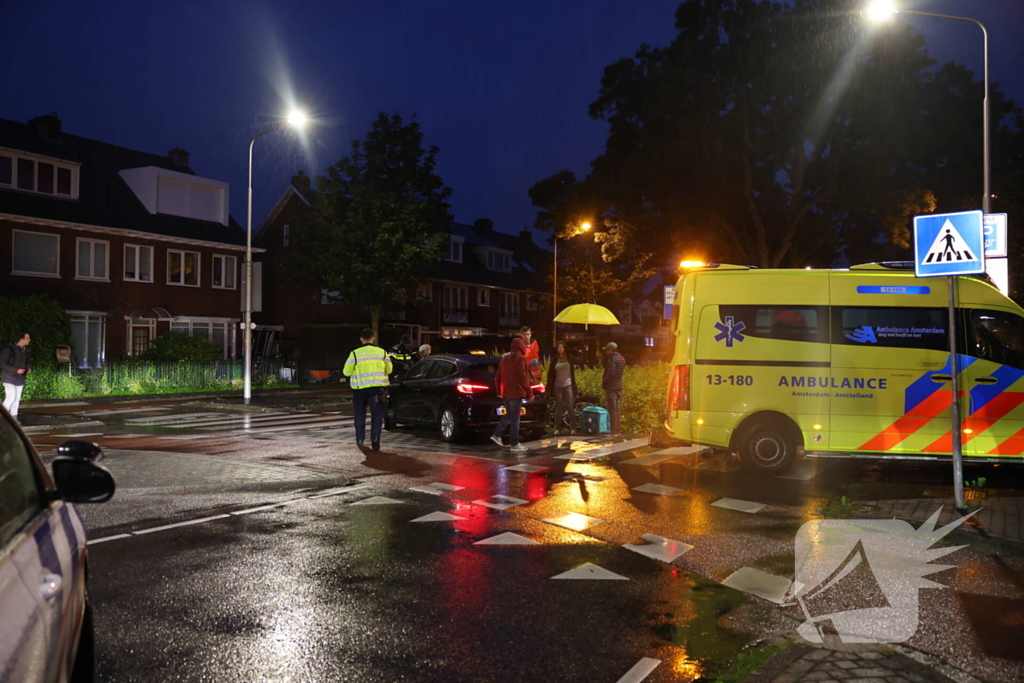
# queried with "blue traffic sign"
point(949, 244)
point(995, 234)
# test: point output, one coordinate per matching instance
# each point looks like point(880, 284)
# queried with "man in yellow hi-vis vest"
point(368, 368)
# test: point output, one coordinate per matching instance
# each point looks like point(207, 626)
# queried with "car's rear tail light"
point(538, 388)
point(466, 388)
point(679, 389)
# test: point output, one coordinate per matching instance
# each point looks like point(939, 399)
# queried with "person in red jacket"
point(532, 354)
point(514, 386)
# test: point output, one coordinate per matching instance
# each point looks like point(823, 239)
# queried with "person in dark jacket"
point(614, 365)
point(562, 385)
point(402, 357)
point(15, 363)
point(514, 386)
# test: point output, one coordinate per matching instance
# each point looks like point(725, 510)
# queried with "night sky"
point(501, 88)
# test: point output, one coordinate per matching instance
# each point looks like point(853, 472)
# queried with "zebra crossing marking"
point(592, 572)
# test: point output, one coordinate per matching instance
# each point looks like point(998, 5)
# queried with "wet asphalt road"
point(321, 590)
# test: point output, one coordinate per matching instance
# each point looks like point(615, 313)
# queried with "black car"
point(455, 394)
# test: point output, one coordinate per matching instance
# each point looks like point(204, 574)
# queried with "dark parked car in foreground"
point(455, 394)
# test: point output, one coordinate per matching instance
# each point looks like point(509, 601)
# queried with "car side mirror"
point(80, 450)
point(82, 481)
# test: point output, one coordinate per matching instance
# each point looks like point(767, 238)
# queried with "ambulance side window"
point(20, 497)
point(787, 323)
point(998, 337)
point(893, 326)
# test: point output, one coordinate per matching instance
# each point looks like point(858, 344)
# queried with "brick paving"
point(998, 515)
point(801, 664)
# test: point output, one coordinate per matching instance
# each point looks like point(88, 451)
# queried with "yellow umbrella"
point(587, 314)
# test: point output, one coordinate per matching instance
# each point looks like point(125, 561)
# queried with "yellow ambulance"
point(771, 364)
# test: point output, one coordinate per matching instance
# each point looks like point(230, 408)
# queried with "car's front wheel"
point(451, 427)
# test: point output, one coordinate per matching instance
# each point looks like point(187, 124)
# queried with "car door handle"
point(942, 378)
point(986, 380)
point(50, 585)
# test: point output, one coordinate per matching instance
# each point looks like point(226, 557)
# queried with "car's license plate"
point(502, 410)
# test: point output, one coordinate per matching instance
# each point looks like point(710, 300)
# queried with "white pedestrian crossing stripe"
point(574, 521)
point(377, 500)
point(739, 505)
point(658, 489)
point(501, 502)
point(949, 247)
point(659, 548)
point(437, 488)
point(507, 538)
point(592, 572)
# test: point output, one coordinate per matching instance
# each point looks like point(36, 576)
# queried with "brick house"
point(489, 282)
point(133, 245)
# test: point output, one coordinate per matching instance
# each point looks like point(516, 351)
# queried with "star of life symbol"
point(730, 331)
point(863, 335)
point(949, 247)
point(864, 576)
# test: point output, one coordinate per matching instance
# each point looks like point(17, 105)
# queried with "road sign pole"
point(958, 460)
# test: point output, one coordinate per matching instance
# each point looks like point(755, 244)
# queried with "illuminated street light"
point(296, 119)
point(880, 10)
point(583, 227)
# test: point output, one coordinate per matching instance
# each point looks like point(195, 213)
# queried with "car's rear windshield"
point(483, 373)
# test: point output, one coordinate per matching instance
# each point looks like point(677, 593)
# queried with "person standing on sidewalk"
point(15, 363)
point(562, 384)
point(514, 385)
point(368, 368)
point(532, 354)
point(614, 365)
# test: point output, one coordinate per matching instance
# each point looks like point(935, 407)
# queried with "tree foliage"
point(177, 346)
point(378, 221)
point(40, 316)
point(784, 134)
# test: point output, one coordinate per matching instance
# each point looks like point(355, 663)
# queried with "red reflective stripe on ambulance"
point(1012, 446)
point(923, 413)
point(990, 413)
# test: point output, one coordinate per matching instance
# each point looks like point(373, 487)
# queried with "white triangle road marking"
point(507, 538)
point(762, 584)
point(500, 502)
point(739, 505)
point(658, 489)
point(436, 488)
point(377, 500)
point(574, 521)
point(440, 517)
point(591, 572)
point(660, 548)
point(949, 247)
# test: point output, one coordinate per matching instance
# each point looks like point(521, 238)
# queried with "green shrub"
point(177, 346)
point(643, 394)
point(40, 316)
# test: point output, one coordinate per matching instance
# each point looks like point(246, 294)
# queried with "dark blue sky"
point(501, 88)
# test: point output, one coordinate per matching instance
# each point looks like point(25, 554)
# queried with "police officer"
point(368, 368)
point(402, 357)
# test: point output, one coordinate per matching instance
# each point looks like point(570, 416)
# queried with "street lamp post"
point(881, 10)
point(296, 119)
point(554, 289)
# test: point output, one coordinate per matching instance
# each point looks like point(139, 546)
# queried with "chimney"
point(482, 226)
point(179, 156)
point(301, 183)
point(48, 126)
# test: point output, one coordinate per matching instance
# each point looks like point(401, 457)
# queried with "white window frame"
point(505, 311)
point(223, 271)
point(92, 259)
point(425, 291)
point(138, 251)
point(461, 295)
point(494, 255)
point(483, 297)
point(29, 272)
point(199, 268)
point(229, 325)
point(453, 241)
point(36, 160)
point(90, 318)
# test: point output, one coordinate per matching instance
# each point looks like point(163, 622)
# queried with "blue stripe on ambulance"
point(983, 393)
point(923, 387)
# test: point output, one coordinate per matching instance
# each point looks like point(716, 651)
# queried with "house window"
point(454, 250)
point(224, 269)
point(89, 335)
point(425, 292)
point(220, 331)
point(285, 232)
point(510, 307)
point(499, 261)
point(183, 268)
point(92, 260)
point(531, 303)
point(456, 297)
point(36, 175)
point(36, 253)
point(138, 263)
point(483, 297)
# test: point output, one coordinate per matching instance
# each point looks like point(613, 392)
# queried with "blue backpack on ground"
point(595, 421)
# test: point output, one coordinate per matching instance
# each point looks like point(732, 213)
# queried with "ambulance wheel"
point(768, 447)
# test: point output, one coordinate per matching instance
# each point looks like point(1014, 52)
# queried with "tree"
point(778, 134)
point(377, 223)
point(40, 316)
point(593, 270)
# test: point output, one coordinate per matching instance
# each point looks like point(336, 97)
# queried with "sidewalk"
point(997, 513)
point(855, 664)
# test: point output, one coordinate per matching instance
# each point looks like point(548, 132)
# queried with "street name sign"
point(949, 244)
point(995, 235)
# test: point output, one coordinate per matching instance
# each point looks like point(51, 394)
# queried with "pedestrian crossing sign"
point(949, 244)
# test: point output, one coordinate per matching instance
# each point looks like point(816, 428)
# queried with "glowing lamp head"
point(880, 10)
point(692, 264)
point(296, 119)
point(585, 226)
